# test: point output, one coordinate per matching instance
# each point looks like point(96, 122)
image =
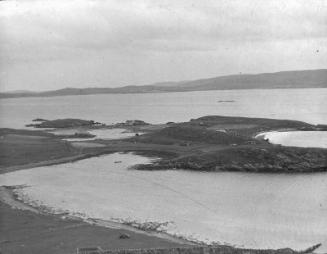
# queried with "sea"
point(242, 209)
point(309, 105)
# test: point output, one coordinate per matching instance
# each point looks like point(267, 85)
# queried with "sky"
point(52, 44)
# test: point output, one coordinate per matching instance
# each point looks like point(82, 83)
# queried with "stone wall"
point(199, 250)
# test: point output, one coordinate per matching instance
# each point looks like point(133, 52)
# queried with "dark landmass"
point(260, 159)
point(72, 123)
point(21, 147)
point(80, 135)
point(228, 144)
point(130, 123)
point(63, 123)
point(284, 79)
point(39, 120)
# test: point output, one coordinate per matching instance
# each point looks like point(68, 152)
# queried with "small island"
point(63, 123)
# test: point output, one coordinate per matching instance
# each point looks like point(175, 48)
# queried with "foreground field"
point(31, 233)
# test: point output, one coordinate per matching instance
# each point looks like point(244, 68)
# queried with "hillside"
point(285, 79)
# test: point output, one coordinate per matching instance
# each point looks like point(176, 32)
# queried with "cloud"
point(179, 36)
point(119, 24)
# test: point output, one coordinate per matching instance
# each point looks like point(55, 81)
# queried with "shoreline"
point(81, 228)
point(146, 153)
point(63, 160)
point(7, 196)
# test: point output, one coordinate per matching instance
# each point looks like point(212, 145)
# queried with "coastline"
point(19, 218)
point(8, 197)
point(27, 229)
point(45, 163)
point(155, 143)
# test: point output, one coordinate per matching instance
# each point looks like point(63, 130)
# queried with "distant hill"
point(20, 91)
point(284, 79)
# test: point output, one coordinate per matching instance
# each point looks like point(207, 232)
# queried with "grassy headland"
point(21, 147)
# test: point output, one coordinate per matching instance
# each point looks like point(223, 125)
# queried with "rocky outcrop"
point(131, 123)
point(64, 123)
point(245, 159)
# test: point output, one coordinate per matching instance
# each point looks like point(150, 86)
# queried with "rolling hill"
point(284, 79)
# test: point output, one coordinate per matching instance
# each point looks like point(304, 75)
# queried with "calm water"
point(105, 134)
point(298, 138)
point(252, 210)
point(308, 105)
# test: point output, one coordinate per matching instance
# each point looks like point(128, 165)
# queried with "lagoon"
point(105, 134)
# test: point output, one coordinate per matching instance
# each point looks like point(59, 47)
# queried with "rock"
point(82, 135)
point(124, 236)
point(285, 251)
point(39, 120)
point(63, 123)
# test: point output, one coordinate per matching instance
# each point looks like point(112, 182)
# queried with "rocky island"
point(62, 123)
